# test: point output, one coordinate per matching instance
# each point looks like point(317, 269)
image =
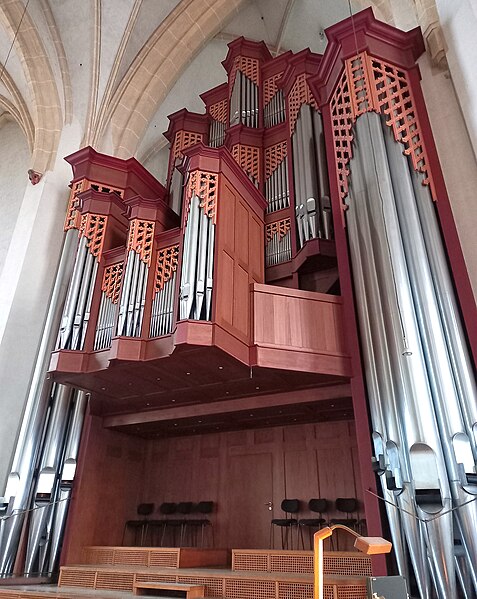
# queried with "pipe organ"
point(301, 166)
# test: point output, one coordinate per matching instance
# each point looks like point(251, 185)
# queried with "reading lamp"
point(367, 545)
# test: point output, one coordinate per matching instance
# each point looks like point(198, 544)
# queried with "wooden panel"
point(241, 303)
point(250, 488)
point(256, 258)
point(242, 241)
point(225, 299)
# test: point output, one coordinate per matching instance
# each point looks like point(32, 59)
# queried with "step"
point(188, 591)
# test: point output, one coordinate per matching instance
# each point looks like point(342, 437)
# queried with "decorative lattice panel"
point(74, 577)
point(253, 562)
point(166, 265)
point(371, 84)
point(218, 111)
point(393, 97)
point(342, 123)
point(164, 559)
point(184, 139)
point(274, 156)
point(131, 557)
point(350, 565)
point(111, 284)
point(98, 555)
point(204, 186)
point(115, 581)
point(93, 227)
point(279, 227)
point(299, 94)
point(295, 590)
point(248, 158)
point(237, 588)
point(141, 235)
point(250, 67)
point(73, 217)
point(291, 563)
point(214, 587)
point(270, 88)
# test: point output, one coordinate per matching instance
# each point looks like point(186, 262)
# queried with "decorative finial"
point(34, 176)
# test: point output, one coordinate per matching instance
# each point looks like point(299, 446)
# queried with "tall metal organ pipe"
point(384, 217)
point(19, 483)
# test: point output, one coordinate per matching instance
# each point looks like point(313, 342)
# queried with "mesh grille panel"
point(292, 563)
point(121, 581)
point(98, 555)
point(164, 559)
point(156, 578)
point(295, 590)
point(352, 592)
point(71, 577)
point(130, 556)
point(213, 586)
point(329, 591)
point(349, 565)
point(250, 561)
point(246, 589)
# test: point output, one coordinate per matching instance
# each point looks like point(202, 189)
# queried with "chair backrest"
point(290, 506)
point(145, 509)
point(318, 505)
point(184, 507)
point(348, 505)
point(205, 507)
point(168, 508)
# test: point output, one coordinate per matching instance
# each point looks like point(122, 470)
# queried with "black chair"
point(184, 508)
point(166, 509)
point(348, 506)
point(289, 506)
point(204, 508)
point(318, 506)
point(139, 527)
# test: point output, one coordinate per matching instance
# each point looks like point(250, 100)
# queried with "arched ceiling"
point(117, 68)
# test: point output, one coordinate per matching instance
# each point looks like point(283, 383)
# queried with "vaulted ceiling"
point(116, 68)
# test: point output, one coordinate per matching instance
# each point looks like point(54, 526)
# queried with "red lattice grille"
point(72, 577)
point(164, 559)
point(349, 565)
point(98, 555)
point(131, 556)
point(93, 227)
point(111, 284)
point(270, 88)
point(248, 158)
point(214, 587)
point(248, 589)
point(295, 590)
point(299, 94)
point(119, 581)
point(329, 591)
point(140, 238)
point(218, 111)
point(274, 156)
point(250, 561)
point(292, 563)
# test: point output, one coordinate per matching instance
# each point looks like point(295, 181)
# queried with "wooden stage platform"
point(107, 572)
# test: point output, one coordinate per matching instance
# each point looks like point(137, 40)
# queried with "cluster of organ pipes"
point(216, 133)
point(312, 195)
point(77, 307)
point(278, 248)
point(195, 299)
point(244, 107)
point(162, 315)
point(133, 296)
point(274, 111)
point(420, 381)
point(277, 192)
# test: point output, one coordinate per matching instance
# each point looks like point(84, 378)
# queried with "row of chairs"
point(348, 506)
point(180, 522)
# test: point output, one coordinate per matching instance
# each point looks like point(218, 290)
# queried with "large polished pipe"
point(189, 260)
point(17, 492)
point(44, 492)
point(67, 475)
